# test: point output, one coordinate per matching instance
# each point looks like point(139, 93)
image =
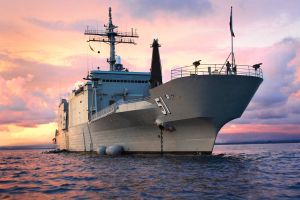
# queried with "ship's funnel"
point(156, 77)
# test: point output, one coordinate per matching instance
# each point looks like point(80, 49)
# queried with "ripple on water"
point(240, 174)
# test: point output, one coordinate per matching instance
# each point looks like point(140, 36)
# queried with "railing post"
point(181, 72)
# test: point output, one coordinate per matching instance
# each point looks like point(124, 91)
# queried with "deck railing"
point(104, 112)
point(112, 108)
point(215, 69)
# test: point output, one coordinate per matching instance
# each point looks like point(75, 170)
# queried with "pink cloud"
point(30, 91)
point(261, 128)
point(275, 100)
point(23, 106)
point(43, 56)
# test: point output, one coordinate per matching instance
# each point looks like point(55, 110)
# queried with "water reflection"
point(232, 172)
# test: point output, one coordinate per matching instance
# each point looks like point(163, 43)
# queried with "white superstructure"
point(136, 111)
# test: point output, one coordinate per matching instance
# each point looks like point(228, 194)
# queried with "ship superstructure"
point(137, 111)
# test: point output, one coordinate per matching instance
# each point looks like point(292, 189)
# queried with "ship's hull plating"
point(192, 110)
point(192, 135)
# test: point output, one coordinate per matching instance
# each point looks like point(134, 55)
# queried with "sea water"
point(260, 171)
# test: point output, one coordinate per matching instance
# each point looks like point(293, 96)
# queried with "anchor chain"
point(161, 127)
point(161, 142)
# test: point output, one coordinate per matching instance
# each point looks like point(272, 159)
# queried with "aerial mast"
point(112, 37)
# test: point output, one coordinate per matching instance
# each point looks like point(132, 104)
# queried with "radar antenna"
point(112, 37)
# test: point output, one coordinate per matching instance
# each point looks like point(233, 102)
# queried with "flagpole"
point(232, 54)
point(232, 35)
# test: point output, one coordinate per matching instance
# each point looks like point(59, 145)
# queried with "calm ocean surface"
point(261, 171)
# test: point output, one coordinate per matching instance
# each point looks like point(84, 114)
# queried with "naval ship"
point(140, 113)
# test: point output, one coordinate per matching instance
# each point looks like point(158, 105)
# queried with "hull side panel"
point(219, 97)
point(192, 135)
point(199, 106)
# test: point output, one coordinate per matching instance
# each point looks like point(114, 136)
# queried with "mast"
point(156, 76)
point(112, 37)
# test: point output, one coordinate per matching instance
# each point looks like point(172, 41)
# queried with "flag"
point(230, 23)
point(91, 48)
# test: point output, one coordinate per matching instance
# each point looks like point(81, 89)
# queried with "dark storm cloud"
point(178, 8)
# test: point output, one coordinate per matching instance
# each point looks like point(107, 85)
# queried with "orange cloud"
point(18, 135)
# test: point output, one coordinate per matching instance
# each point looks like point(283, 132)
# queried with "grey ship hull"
point(196, 108)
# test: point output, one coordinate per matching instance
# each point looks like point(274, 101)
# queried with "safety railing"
point(112, 108)
point(215, 69)
point(104, 112)
point(102, 32)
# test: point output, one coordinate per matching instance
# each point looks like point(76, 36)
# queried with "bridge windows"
point(124, 81)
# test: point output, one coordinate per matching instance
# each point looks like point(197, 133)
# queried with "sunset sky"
point(43, 53)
